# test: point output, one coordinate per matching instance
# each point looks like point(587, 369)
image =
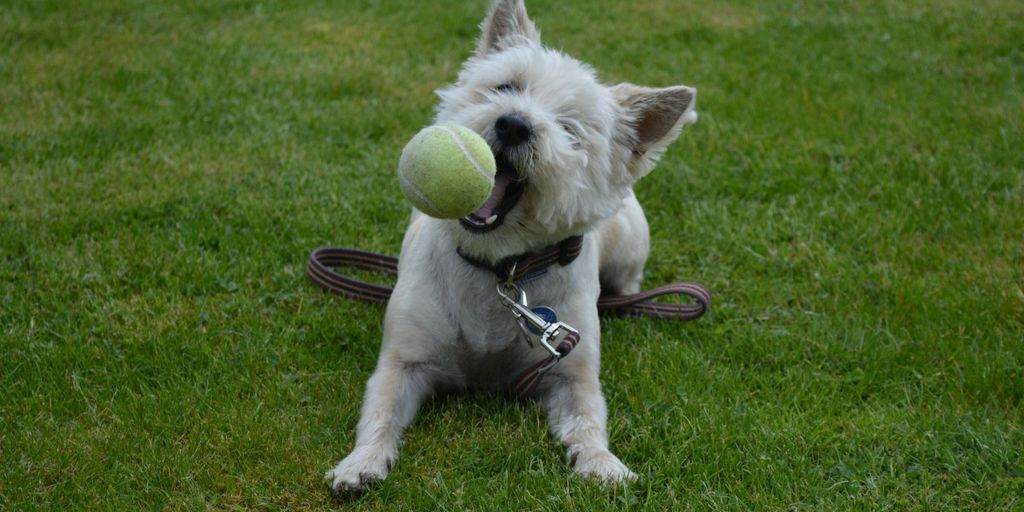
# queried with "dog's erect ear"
point(653, 119)
point(507, 25)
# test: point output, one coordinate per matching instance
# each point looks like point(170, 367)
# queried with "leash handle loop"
point(321, 274)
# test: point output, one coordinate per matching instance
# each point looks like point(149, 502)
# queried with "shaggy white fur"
point(444, 325)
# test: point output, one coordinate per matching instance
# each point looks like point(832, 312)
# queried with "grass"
point(852, 194)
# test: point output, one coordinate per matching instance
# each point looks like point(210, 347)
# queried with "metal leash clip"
point(539, 322)
point(514, 298)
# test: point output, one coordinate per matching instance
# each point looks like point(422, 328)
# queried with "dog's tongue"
point(494, 200)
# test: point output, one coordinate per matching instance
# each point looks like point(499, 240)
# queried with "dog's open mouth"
point(508, 188)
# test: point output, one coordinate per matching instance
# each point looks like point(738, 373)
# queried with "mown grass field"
point(853, 195)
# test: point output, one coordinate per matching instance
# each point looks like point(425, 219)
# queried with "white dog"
point(568, 151)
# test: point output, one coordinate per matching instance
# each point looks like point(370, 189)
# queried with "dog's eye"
point(507, 87)
point(574, 136)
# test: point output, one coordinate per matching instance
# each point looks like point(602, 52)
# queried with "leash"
point(324, 260)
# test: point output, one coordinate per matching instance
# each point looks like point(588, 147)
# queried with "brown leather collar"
point(530, 264)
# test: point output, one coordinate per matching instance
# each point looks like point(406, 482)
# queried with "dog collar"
point(530, 264)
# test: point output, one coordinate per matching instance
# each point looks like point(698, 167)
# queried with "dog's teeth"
point(492, 219)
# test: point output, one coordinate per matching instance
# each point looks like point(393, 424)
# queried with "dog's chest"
point(484, 325)
point(487, 326)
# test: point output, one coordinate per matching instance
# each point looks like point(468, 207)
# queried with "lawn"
point(853, 195)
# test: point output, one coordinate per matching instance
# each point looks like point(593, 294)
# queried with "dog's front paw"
point(601, 465)
point(364, 465)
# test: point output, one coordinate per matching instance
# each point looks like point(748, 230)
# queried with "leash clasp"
point(554, 333)
point(549, 332)
point(514, 298)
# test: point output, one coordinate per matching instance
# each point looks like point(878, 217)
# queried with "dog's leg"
point(624, 242)
point(578, 414)
point(406, 374)
point(408, 370)
point(393, 395)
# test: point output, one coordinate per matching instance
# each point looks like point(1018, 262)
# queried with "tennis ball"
point(446, 171)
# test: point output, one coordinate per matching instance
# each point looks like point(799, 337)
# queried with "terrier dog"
point(568, 150)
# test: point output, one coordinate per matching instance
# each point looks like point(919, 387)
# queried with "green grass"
point(853, 195)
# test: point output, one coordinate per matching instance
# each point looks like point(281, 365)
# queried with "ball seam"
point(419, 193)
point(469, 156)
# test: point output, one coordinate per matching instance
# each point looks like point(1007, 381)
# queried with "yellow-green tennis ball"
point(446, 171)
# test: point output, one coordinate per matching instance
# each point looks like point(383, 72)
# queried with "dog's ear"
point(652, 119)
point(506, 26)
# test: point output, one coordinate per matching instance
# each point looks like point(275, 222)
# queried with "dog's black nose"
point(512, 130)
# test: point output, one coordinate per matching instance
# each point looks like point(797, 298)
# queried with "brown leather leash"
point(324, 260)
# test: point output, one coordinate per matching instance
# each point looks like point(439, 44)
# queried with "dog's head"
point(568, 148)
